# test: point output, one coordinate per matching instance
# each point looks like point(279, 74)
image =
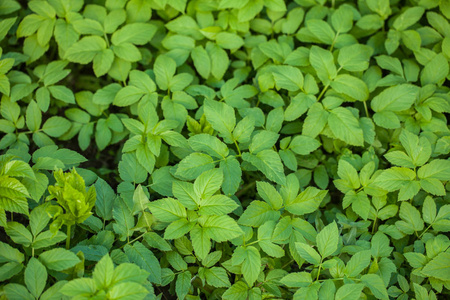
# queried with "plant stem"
point(318, 272)
point(237, 147)
point(365, 108)
point(68, 237)
point(374, 225)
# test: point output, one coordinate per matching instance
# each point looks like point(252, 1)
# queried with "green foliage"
point(224, 149)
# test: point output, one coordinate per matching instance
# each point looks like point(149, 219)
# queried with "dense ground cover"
point(235, 149)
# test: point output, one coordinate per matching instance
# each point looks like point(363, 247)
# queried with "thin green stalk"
point(237, 147)
point(365, 108)
point(68, 237)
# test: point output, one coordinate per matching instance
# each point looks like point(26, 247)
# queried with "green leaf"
point(251, 265)
point(437, 169)
point(345, 126)
point(220, 228)
point(202, 61)
point(200, 241)
point(257, 213)
point(321, 30)
point(355, 58)
point(221, 117)
point(237, 291)
point(217, 205)
point(357, 263)
point(342, 19)
point(19, 234)
point(167, 209)
point(33, 116)
point(394, 178)
point(303, 145)
point(439, 267)
point(128, 290)
point(103, 272)
point(229, 40)
point(269, 194)
point(85, 50)
point(396, 98)
point(144, 258)
point(323, 62)
point(327, 240)
point(269, 163)
point(263, 140)
point(217, 277)
point(59, 259)
point(183, 284)
point(306, 202)
point(193, 165)
point(308, 253)
point(376, 285)
point(135, 33)
point(350, 291)
point(351, 86)
point(209, 144)
point(105, 199)
point(410, 215)
point(289, 78)
point(102, 62)
point(299, 279)
point(435, 71)
point(56, 126)
point(16, 291)
point(409, 17)
point(35, 277)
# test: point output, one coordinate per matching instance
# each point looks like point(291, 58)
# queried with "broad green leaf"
point(376, 285)
point(217, 277)
point(269, 194)
point(128, 290)
point(221, 117)
point(251, 265)
point(220, 228)
point(436, 169)
point(232, 175)
point(56, 126)
point(438, 267)
point(308, 253)
point(85, 49)
point(209, 144)
point(306, 202)
point(355, 58)
point(345, 126)
point(144, 258)
point(350, 291)
point(135, 33)
point(59, 259)
point(18, 233)
point(194, 165)
point(327, 240)
point(289, 78)
point(237, 291)
point(396, 98)
point(394, 178)
point(351, 86)
point(303, 145)
point(257, 213)
point(357, 263)
point(323, 62)
point(229, 40)
point(299, 279)
point(200, 241)
point(269, 163)
point(35, 277)
point(167, 209)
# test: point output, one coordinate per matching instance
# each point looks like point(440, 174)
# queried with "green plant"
point(224, 149)
point(74, 202)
